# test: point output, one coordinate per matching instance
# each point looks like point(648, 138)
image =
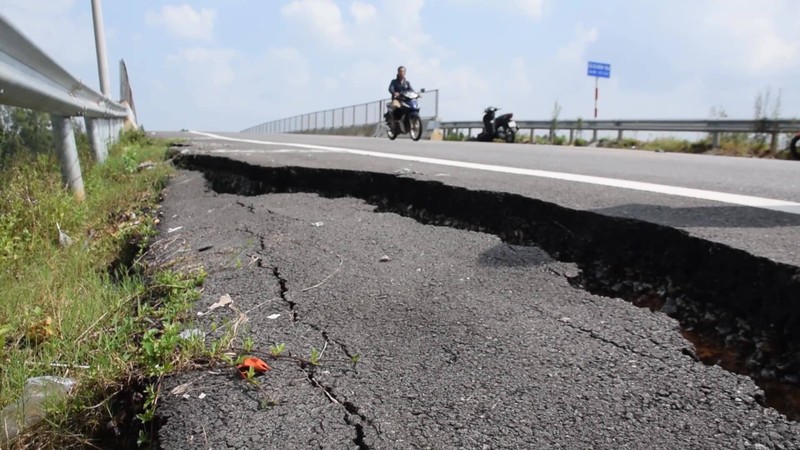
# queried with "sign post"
point(598, 70)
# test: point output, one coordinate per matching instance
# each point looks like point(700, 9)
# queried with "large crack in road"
point(738, 309)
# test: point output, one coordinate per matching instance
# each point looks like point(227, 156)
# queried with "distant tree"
point(23, 130)
point(762, 106)
point(554, 121)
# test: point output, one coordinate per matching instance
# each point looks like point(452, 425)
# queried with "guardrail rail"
point(714, 127)
point(30, 79)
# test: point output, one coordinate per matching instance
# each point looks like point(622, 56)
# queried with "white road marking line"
point(253, 151)
point(735, 199)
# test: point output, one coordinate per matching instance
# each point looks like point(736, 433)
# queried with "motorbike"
point(793, 146)
point(502, 127)
point(405, 119)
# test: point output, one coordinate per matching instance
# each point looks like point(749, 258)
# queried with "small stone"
point(385, 258)
point(760, 447)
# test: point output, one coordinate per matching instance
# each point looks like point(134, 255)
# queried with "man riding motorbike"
point(397, 86)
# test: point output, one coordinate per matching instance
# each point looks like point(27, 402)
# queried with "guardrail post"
point(116, 127)
point(64, 139)
point(571, 136)
point(99, 144)
point(715, 140)
point(533, 137)
point(619, 135)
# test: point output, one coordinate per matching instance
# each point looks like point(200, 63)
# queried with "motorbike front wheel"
point(415, 127)
point(793, 147)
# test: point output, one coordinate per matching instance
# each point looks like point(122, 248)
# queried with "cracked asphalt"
point(463, 341)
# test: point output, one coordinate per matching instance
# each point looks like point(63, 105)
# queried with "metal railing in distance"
point(714, 127)
point(31, 79)
point(360, 119)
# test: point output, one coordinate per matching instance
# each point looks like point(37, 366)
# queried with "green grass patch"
point(90, 310)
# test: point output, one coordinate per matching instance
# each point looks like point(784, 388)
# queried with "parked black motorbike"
point(793, 146)
point(502, 127)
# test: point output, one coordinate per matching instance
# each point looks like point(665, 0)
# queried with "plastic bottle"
point(38, 394)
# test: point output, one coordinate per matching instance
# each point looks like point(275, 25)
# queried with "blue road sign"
point(600, 70)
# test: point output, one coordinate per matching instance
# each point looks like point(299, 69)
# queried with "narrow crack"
point(292, 307)
point(284, 291)
point(341, 345)
point(593, 334)
point(351, 411)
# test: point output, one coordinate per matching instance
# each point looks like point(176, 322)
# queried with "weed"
point(277, 350)
point(316, 355)
point(248, 344)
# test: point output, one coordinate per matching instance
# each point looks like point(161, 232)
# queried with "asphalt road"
point(463, 340)
point(763, 232)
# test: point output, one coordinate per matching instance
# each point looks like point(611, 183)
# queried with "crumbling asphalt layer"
point(462, 341)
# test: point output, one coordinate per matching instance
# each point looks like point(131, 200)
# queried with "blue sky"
point(224, 65)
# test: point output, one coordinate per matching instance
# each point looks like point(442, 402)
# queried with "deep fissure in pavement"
point(738, 309)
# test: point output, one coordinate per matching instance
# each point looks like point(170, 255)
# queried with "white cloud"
point(531, 8)
point(213, 66)
point(294, 71)
point(184, 22)
point(320, 17)
point(519, 76)
point(363, 12)
point(575, 51)
point(226, 86)
point(755, 36)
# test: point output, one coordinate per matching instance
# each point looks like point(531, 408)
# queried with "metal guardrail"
point(356, 119)
point(31, 79)
point(713, 127)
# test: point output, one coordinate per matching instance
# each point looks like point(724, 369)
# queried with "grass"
point(92, 310)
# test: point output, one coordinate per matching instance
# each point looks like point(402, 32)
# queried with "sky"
point(225, 65)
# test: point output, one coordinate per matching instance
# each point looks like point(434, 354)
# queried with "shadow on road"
point(706, 216)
